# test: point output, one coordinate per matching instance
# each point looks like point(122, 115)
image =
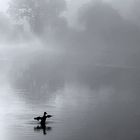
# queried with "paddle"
point(37, 118)
point(49, 116)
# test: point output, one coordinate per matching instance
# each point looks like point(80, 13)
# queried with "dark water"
point(98, 104)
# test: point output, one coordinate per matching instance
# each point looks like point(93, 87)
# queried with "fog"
point(83, 54)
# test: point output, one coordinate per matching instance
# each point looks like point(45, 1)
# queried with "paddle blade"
point(37, 118)
point(49, 116)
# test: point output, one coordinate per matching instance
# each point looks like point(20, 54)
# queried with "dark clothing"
point(43, 119)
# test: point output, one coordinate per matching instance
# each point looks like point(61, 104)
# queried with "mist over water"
point(83, 70)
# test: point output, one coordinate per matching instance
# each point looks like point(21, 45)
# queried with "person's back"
point(43, 119)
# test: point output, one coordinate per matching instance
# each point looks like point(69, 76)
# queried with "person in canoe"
point(43, 118)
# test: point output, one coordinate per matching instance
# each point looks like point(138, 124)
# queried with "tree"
point(40, 14)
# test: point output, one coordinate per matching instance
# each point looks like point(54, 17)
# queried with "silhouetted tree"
point(40, 14)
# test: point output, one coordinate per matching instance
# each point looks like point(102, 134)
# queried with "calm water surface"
point(108, 111)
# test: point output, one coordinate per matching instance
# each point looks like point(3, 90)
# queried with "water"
point(106, 107)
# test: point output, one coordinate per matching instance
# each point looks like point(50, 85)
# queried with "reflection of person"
point(43, 127)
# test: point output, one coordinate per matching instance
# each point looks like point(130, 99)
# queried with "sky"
point(123, 6)
point(104, 38)
point(73, 5)
point(3, 5)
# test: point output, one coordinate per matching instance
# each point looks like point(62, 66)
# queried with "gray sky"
point(3, 5)
point(123, 6)
point(108, 35)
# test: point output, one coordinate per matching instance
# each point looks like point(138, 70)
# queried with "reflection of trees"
point(45, 75)
point(39, 13)
point(40, 78)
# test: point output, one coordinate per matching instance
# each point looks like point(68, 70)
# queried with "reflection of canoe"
point(39, 118)
point(44, 128)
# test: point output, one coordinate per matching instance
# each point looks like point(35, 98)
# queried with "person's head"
point(45, 113)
